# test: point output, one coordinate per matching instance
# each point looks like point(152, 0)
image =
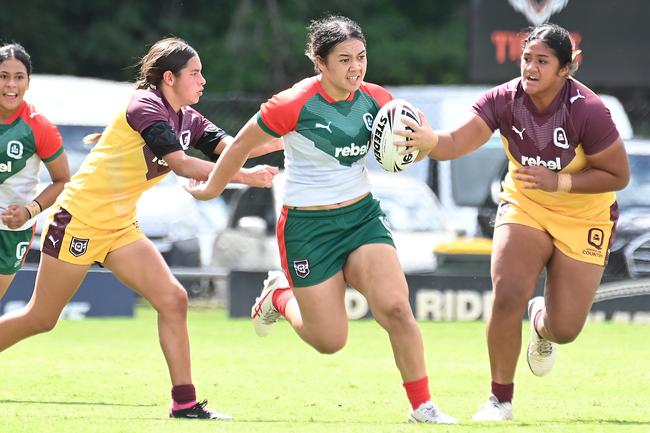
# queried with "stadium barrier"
point(459, 298)
point(433, 297)
point(100, 295)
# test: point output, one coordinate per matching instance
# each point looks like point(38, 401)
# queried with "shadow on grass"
point(79, 403)
point(567, 422)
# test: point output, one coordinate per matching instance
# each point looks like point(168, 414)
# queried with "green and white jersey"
point(325, 141)
point(26, 139)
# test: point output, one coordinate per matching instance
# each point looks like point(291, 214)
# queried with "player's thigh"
point(519, 254)
point(56, 283)
point(374, 270)
point(5, 282)
point(570, 289)
point(322, 306)
point(141, 267)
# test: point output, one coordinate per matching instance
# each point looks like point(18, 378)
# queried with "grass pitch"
point(109, 376)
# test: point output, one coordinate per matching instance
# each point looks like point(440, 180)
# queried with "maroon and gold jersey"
point(121, 166)
point(574, 125)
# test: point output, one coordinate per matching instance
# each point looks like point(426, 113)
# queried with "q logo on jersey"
point(78, 247)
point(15, 149)
point(367, 120)
point(184, 139)
point(301, 267)
point(596, 237)
point(560, 139)
point(21, 250)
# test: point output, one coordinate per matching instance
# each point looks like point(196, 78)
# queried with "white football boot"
point(541, 353)
point(494, 410)
point(428, 413)
point(263, 312)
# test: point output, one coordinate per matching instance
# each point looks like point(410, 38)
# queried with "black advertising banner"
point(457, 298)
point(612, 35)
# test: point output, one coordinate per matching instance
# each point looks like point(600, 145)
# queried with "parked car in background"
point(181, 228)
point(630, 252)
point(417, 219)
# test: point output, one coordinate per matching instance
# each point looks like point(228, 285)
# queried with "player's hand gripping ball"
point(382, 139)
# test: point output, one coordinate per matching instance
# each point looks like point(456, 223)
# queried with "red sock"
point(183, 396)
point(503, 393)
point(280, 299)
point(417, 391)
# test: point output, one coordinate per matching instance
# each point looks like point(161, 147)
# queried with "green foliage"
point(245, 45)
point(109, 376)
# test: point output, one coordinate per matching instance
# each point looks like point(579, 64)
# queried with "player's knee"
point(395, 315)
point(564, 333)
point(39, 324)
point(330, 345)
point(174, 300)
point(509, 297)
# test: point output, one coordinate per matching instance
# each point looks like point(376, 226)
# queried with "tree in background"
point(246, 45)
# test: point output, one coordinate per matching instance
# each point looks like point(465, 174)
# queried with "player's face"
point(540, 70)
point(188, 83)
point(344, 68)
point(14, 82)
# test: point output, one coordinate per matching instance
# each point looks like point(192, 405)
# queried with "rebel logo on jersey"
point(554, 164)
point(5, 167)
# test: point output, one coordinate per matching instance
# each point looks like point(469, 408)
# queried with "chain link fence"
point(230, 112)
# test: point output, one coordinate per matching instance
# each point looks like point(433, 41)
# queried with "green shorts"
point(314, 244)
point(13, 249)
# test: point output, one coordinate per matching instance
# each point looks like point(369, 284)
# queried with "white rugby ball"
point(382, 139)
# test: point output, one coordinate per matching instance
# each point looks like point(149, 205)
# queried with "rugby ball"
point(382, 139)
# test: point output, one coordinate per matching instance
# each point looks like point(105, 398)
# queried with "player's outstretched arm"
point(446, 145)
point(228, 167)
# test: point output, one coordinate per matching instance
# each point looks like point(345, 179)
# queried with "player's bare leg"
point(140, 266)
point(44, 308)
point(374, 270)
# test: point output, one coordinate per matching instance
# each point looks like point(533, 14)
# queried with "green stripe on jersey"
point(17, 145)
point(340, 129)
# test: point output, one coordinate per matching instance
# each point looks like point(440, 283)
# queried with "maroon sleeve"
point(598, 130)
point(199, 125)
point(145, 109)
point(486, 108)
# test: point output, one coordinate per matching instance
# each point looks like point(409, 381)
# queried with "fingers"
point(423, 119)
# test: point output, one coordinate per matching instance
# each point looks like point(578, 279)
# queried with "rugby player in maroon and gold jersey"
point(557, 210)
point(94, 220)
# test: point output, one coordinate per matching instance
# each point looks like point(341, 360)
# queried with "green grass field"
point(109, 376)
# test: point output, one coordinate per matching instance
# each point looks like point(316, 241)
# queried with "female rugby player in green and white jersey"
point(331, 230)
point(26, 139)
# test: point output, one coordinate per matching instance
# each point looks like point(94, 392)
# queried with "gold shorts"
point(68, 239)
point(585, 239)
